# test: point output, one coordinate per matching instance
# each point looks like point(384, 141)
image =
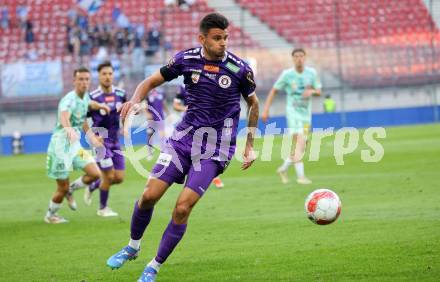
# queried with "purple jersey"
point(114, 100)
point(155, 105)
point(213, 90)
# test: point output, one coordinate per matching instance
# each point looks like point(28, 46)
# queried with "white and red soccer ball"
point(323, 206)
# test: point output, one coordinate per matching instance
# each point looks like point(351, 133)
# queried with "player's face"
point(106, 77)
point(81, 82)
point(215, 42)
point(298, 59)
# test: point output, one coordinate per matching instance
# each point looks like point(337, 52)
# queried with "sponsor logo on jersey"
point(232, 67)
point(211, 68)
point(212, 76)
point(164, 159)
point(109, 98)
point(224, 81)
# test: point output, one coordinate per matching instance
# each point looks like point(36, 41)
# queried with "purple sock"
point(95, 185)
point(139, 221)
point(171, 237)
point(103, 198)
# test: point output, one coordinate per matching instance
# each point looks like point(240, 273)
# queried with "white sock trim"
point(286, 164)
point(135, 244)
point(299, 168)
point(77, 184)
point(53, 207)
point(154, 264)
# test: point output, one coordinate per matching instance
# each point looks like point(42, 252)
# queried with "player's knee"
point(182, 211)
point(148, 199)
point(63, 187)
point(94, 174)
point(117, 179)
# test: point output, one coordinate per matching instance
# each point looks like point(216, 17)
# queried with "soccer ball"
point(323, 206)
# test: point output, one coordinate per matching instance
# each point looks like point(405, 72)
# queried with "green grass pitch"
point(254, 229)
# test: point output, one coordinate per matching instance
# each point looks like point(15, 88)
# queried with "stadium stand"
point(366, 31)
point(51, 25)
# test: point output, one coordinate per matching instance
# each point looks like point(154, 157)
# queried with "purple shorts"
point(112, 158)
point(175, 163)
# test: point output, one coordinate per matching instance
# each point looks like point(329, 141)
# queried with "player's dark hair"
point(104, 65)
point(213, 20)
point(80, 69)
point(298, 50)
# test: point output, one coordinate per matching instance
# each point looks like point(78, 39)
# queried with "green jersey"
point(63, 156)
point(77, 109)
point(294, 84)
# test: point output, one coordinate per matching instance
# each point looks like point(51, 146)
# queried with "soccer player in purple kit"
point(112, 163)
point(179, 105)
point(215, 79)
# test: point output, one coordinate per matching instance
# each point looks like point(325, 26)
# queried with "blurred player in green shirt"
point(65, 152)
point(299, 83)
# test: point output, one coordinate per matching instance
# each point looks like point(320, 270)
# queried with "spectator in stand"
point(29, 32)
point(73, 40)
point(22, 12)
point(137, 49)
point(153, 40)
point(4, 18)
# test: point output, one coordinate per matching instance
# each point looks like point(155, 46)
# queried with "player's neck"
point(208, 57)
point(106, 89)
point(299, 69)
point(80, 94)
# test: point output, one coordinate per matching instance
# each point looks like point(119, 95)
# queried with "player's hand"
point(265, 116)
point(127, 108)
point(105, 108)
point(72, 135)
point(97, 141)
point(307, 93)
point(248, 157)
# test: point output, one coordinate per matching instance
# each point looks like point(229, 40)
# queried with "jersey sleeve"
point(316, 82)
point(66, 104)
point(247, 83)
point(280, 84)
point(174, 68)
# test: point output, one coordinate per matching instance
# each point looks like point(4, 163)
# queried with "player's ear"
point(202, 38)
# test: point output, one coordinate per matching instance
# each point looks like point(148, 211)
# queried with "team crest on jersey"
point(293, 85)
point(224, 81)
point(195, 76)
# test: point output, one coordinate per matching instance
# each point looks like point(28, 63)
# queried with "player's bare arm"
point(179, 106)
point(95, 106)
point(253, 111)
point(273, 92)
point(72, 135)
point(141, 92)
point(95, 141)
point(310, 91)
